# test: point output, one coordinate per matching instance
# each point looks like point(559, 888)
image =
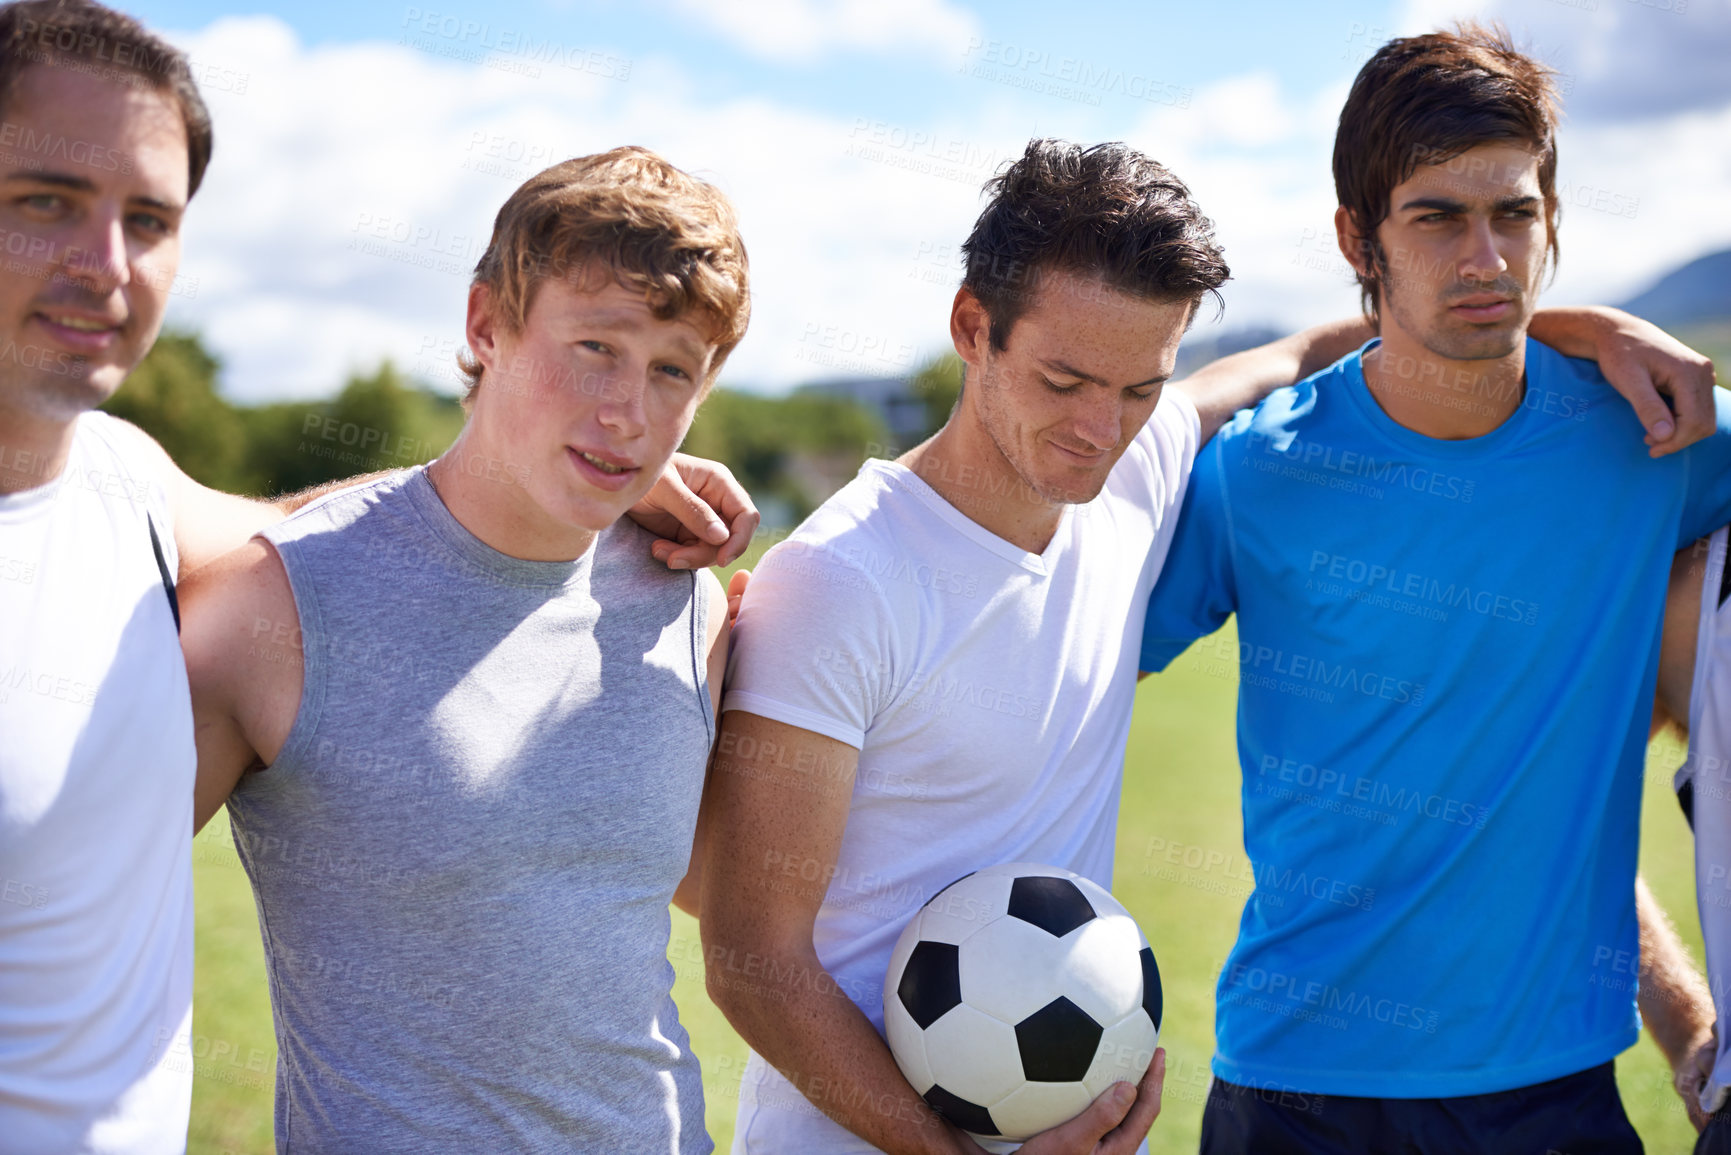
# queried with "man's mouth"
point(603, 466)
point(1482, 308)
point(82, 324)
point(83, 334)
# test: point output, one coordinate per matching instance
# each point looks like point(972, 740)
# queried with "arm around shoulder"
point(241, 637)
point(207, 522)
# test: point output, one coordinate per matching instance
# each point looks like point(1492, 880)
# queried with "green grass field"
point(1181, 788)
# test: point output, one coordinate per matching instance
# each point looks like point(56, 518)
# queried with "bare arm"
point(689, 895)
point(1643, 363)
point(781, 795)
point(1221, 388)
point(1674, 1000)
point(786, 1007)
point(1677, 644)
point(241, 636)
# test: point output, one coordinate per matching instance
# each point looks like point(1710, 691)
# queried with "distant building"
point(1199, 348)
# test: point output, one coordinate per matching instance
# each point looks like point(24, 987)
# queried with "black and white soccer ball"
point(1017, 995)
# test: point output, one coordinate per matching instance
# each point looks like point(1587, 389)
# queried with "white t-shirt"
point(1708, 768)
point(988, 689)
point(96, 774)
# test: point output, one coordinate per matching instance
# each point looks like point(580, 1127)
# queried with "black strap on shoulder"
point(1725, 576)
point(162, 568)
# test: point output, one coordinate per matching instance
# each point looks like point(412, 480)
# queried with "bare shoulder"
point(241, 634)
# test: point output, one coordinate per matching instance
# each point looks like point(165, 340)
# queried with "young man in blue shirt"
point(1441, 659)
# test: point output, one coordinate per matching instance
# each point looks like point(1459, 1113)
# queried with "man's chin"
point(66, 396)
point(1479, 344)
point(1071, 490)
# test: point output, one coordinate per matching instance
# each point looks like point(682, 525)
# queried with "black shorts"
point(1716, 1138)
point(1575, 1115)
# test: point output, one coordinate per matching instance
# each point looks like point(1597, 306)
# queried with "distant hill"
point(1698, 293)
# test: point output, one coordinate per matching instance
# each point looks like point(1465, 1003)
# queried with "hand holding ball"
point(1017, 995)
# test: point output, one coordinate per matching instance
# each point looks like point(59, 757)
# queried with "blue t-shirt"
point(1447, 653)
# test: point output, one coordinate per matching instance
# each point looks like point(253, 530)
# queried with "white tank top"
point(96, 775)
point(1707, 774)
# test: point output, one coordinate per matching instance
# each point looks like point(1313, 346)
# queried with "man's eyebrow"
point(1449, 205)
point(1069, 371)
point(76, 183)
point(610, 321)
point(1436, 204)
point(55, 179)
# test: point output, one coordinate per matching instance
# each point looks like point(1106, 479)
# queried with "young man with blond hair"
point(473, 680)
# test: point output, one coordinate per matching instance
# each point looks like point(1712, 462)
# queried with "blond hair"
point(629, 214)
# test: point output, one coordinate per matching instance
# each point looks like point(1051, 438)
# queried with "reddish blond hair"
point(629, 214)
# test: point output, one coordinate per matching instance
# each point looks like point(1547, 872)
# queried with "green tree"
point(939, 384)
point(172, 396)
point(380, 421)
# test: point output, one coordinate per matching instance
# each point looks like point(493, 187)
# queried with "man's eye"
point(42, 202)
point(593, 346)
point(676, 371)
point(149, 222)
point(1054, 386)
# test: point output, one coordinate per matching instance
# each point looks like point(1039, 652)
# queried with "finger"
point(1087, 1129)
point(692, 511)
point(1128, 1135)
point(741, 531)
point(1692, 397)
point(736, 594)
point(1636, 384)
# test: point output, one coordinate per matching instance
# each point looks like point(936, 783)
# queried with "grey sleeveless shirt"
point(464, 853)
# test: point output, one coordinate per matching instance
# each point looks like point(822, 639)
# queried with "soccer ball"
point(1017, 995)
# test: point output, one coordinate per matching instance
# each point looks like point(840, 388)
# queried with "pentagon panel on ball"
point(1017, 995)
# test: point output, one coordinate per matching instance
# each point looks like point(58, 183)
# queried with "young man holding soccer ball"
point(935, 673)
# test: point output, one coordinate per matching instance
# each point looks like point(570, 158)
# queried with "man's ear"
point(481, 328)
point(970, 328)
point(1354, 246)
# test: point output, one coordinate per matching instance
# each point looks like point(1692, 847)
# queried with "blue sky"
point(362, 149)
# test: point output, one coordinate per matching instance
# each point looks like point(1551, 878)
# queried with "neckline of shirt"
point(477, 554)
point(900, 475)
point(28, 503)
point(1412, 441)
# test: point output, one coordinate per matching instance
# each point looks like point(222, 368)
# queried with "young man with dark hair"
point(935, 672)
point(107, 142)
point(478, 682)
point(1440, 658)
point(901, 708)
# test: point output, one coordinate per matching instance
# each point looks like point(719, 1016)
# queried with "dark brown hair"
point(630, 215)
point(99, 41)
point(1426, 100)
point(1107, 211)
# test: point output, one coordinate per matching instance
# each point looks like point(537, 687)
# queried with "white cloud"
point(1620, 59)
point(804, 30)
point(354, 186)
